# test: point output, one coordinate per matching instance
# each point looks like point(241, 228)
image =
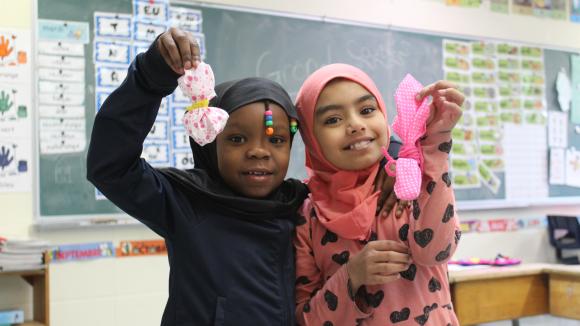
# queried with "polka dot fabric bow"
point(410, 125)
point(202, 123)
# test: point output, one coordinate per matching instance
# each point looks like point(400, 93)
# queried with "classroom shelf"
point(39, 280)
point(32, 323)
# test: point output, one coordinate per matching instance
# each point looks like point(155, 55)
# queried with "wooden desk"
point(500, 293)
point(504, 293)
point(564, 290)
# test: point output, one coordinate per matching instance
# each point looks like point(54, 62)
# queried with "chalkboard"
point(241, 44)
point(63, 191)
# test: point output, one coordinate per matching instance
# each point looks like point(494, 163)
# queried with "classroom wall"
point(132, 291)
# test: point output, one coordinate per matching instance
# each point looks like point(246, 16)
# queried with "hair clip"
point(293, 126)
point(268, 120)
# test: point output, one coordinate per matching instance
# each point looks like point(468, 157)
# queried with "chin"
point(361, 164)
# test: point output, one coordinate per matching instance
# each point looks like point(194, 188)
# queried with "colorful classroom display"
point(98, 250)
point(553, 9)
point(79, 64)
point(15, 105)
point(117, 39)
point(506, 126)
point(504, 86)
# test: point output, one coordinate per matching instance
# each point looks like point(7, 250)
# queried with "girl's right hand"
point(387, 198)
point(379, 262)
point(179, 49)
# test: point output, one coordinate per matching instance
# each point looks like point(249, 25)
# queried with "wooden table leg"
point(565, 295)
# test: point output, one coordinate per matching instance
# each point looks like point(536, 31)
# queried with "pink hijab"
point(344, 200)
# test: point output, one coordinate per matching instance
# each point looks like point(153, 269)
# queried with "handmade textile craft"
point(202, 122)
point(410, 125)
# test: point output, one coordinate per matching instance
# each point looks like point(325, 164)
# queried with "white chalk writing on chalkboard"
point(268, 66)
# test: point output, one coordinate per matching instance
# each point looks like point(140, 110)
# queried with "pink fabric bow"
point(203, 123)
point(410, 125)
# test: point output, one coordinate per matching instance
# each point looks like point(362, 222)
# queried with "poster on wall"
point(501, 6)
point(504, 85)
point(15, 45)
point(61, 86)
point(118, 39)
point(15, 106)
point(464, 3)
point(522, 7)
point(575, 11)
point(15, 158)
point(555, 9)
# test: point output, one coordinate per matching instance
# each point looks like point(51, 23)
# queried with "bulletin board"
point(237, 43)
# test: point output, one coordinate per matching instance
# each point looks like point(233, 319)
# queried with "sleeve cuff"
point(436, 138)
point(342, 276)
point(156, 71)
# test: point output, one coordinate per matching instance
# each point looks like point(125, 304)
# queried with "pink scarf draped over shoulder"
point(344, 201)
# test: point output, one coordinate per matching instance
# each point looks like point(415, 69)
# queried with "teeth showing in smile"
point(257, 173)
point(360, 145)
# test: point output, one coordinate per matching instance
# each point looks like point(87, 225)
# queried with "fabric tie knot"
point(410, 125)
point(202, 122)
point(412, 151)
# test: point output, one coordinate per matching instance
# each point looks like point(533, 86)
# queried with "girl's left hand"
point(445, 109)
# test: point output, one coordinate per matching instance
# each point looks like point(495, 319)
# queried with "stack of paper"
point(22, 254)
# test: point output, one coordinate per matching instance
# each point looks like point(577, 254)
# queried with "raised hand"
point(445, 108)
point(179, 49)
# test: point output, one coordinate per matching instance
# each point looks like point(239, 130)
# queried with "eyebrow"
point(323, 109)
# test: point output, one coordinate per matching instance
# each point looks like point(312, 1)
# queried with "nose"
point(355, 126)
point(258, 152)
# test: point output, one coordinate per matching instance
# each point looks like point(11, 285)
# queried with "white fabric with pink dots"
point(202, 123)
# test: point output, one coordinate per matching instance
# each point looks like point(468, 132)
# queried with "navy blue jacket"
point(223, 270)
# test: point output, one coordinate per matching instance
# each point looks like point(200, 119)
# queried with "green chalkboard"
point(241, 44)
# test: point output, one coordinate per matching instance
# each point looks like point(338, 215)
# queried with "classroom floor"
point(538, 321)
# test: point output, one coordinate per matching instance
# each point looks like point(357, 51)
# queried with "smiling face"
point(250, 162)
point(349, 125)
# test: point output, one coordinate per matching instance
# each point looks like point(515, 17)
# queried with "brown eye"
point(367, 110)
point(277, 140)
point(237, 139)
point(331, 121)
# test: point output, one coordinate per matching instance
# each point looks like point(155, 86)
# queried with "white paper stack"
point(19, 254)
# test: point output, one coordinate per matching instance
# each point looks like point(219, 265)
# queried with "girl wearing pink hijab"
point(353, 268)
